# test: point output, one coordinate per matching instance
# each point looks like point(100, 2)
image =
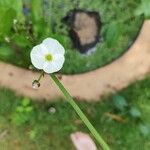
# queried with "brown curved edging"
point(133, 65)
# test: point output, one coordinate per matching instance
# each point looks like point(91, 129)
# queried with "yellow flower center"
point(48, 57)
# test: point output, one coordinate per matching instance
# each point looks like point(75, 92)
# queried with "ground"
point(30, 125)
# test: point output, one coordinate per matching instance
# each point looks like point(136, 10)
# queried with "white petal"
point(59, 59)
point(55, 65)
point(44, 49)
point(49, 68)
point(53, 46)
point(37, 57)
point(40, 49)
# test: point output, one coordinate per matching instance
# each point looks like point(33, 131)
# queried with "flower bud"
point(31, 67)
point(35, 84)
point(51, 110)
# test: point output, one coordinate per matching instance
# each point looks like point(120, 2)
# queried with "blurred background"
point(94, 33)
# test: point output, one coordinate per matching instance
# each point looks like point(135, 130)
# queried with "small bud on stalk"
point(35, 84)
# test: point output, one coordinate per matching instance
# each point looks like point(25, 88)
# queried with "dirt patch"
point(84, 28)
point(132, 66)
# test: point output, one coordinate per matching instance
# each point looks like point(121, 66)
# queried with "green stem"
point(41, 75)
point(80, 113)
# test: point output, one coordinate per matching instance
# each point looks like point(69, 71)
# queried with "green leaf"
point(25, 102)
point(29, 109)
point(135, 112)
point(19, 118)
point(5, 51)
point(112, 34)
point(6, 18)
point(119, 102)
point(16, 5)
point(21, 40)
point(41, 29)
point(144, 129)
point(19, 109)
point(33, 134)
point(36, 10)
point(144, 8)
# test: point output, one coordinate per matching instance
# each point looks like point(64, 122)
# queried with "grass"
point(29, 125)
point(120, 28)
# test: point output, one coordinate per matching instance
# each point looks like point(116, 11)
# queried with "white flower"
point(48, 56)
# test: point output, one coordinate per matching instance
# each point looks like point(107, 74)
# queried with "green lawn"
point(27, 125)
point(120, 26)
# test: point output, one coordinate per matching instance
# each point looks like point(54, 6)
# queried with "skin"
point(82, 141)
